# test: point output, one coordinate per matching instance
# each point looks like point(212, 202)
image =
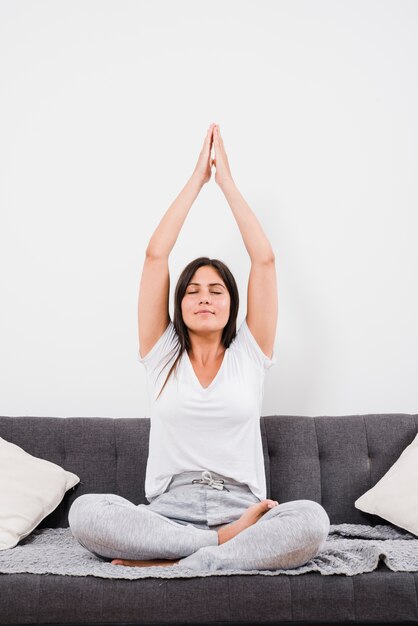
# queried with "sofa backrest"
point(329, 459)
point(335, 459)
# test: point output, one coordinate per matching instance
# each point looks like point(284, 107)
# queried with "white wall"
point(104, 108)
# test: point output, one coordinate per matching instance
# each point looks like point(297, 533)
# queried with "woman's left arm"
point(262, 299)
point(255, 240)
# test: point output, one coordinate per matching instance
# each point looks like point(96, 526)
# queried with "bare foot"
point(160, 562)
point(248, 518)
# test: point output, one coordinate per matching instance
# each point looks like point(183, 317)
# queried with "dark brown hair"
point(180, 327)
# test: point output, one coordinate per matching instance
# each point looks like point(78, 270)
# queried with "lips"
point(204, 311)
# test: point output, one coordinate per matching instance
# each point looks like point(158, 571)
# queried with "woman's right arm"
point(153, 300)
point(166, 233)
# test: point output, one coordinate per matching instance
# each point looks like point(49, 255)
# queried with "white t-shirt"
point(215, 428)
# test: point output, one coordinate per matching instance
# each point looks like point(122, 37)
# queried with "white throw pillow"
point(30, 489)
point(395, 496)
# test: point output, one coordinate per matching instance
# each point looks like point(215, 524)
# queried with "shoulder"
point(165, 345)
point(244, 342)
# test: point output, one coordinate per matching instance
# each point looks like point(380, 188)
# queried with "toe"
point(272, 503)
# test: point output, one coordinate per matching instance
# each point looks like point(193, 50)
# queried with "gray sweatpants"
point(183, 522)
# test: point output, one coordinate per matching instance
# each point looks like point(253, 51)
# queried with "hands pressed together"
point(203, 169)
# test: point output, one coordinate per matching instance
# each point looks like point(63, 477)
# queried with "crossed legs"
point(284, 536)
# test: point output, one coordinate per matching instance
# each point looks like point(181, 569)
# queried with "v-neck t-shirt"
point(217, 427)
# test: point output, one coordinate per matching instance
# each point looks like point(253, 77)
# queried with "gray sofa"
point(329, 459)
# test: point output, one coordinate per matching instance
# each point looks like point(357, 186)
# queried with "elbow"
point(264, 260)
point(153, 254)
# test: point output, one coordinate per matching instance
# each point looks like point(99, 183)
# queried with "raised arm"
point(153, 299)
point(262, 298)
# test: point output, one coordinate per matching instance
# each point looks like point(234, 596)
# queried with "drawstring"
point(208, 480)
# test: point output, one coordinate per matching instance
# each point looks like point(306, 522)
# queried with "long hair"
point(229, 331)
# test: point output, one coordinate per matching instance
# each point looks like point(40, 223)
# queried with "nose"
point(205, 299)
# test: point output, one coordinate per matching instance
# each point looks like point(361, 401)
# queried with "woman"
point(205, 477)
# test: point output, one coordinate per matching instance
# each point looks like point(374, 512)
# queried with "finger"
point(207, 144)
point(209, 135)
point(217, 136)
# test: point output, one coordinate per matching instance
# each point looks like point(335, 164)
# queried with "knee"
point(314, 527)
point(81, 511)
point(318, 521)
point(310, 517)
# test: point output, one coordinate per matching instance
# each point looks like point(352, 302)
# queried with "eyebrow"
point(210, 284)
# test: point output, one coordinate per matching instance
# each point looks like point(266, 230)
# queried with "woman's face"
point(203, 295)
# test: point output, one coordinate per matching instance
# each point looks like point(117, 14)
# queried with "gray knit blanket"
point(350, 549)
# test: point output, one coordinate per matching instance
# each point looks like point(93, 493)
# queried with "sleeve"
point(162, 348)
point(245, 341)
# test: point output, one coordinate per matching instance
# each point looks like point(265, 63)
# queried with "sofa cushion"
point(30, 488)
point(395, 496)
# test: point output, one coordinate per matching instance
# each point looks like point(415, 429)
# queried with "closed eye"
point(216, 292)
